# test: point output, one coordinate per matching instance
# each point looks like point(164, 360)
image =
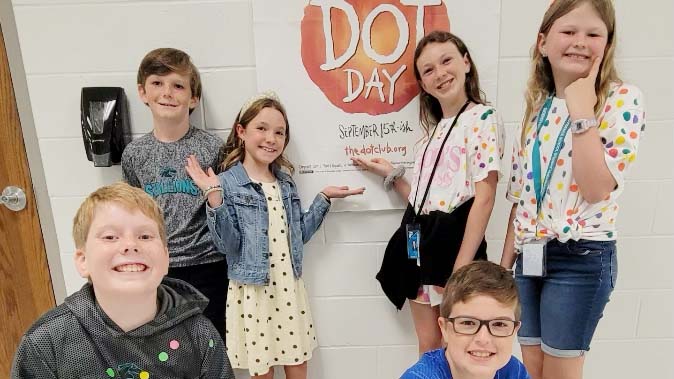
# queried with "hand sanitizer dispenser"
point(105, 124)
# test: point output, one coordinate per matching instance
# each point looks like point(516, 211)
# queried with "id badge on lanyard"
point(533, 258)
point(413, 229)
point(534, 253)
point(413, 238)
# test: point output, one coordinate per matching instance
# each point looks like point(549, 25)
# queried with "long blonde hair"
point(234, 150)
point(541, 82)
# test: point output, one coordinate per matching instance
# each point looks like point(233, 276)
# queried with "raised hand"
point(342, 191)
point(378, 166)
point(202, 179)
point(580, 95)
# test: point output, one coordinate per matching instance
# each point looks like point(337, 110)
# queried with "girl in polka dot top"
point(255, 218)
point(579, 136)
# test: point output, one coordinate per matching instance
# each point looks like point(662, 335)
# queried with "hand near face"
point(378, 166)
point(581, 96)
point(339, 192)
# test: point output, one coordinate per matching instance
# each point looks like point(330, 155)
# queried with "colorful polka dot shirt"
point(564, 213)
point(474, 148)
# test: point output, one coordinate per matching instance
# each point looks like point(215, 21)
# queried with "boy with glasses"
point(479, 316)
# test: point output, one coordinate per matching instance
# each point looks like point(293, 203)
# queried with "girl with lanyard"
point(562, 223)
point(455, 176)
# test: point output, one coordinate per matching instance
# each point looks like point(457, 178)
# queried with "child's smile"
point(443, 70)
point(264, 137)
point(123, 253)
point(572, 43)
point(168, 96)
point(130, 267)
point(480, 353)
point(444, 84)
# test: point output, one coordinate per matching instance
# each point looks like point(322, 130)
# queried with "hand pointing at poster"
point(378, 166)
point(393, 177)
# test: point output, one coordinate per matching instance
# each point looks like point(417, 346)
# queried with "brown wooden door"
point(25, 284)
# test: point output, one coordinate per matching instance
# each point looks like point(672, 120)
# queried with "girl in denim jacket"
point(255, 218)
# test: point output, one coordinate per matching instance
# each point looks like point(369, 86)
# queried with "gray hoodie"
point(78, 340)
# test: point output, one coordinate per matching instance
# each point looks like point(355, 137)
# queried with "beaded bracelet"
point(212, 189)
point(326, 197)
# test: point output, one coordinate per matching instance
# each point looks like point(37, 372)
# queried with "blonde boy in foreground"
point(126, 322)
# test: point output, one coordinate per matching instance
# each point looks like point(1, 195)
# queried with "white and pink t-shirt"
point(474, 148)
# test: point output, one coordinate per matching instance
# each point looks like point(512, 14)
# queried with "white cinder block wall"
point(68, 44)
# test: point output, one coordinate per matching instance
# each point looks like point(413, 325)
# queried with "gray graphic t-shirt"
point(159, 169)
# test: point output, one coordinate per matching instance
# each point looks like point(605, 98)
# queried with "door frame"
point(44, 210)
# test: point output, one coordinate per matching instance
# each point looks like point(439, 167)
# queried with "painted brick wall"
point(68, 44)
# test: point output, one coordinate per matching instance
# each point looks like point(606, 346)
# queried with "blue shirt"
point(239, 225)
point(433, 365)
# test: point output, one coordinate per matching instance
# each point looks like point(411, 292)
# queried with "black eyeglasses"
point(470, 326)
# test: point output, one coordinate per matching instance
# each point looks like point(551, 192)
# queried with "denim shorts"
point(561, 310)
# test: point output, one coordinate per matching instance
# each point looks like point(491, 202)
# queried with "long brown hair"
point(541, 81)
point(234, 150)
point(430, 112)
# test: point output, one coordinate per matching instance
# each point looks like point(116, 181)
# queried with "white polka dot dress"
point(270, 325)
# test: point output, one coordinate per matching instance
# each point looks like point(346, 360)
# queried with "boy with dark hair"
point(479, 316)
point(126, 322)
point(169, 84)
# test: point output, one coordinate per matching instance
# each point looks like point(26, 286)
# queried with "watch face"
point(578, 126)
point(582, 125)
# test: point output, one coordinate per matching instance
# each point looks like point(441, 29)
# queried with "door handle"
point(13, 198)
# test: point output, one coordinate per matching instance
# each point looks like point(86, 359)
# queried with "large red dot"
point(384, 39)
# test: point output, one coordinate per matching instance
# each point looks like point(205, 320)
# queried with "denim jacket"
point(239, 226)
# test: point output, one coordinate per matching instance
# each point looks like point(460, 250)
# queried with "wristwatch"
point(583, 125)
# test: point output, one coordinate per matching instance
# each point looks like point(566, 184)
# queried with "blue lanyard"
point(541, 188)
